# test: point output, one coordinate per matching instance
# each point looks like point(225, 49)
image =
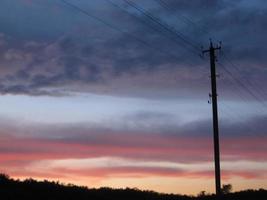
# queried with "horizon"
point(113, 93)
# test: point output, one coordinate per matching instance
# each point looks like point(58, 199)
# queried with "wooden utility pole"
point(212, 55)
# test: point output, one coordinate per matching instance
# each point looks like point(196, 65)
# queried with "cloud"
point(87, 59)
point(98, 152)
point(183, 144)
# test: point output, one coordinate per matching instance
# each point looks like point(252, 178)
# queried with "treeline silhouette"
point(31, 189)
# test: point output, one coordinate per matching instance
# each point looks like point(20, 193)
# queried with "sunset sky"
point(115, 93)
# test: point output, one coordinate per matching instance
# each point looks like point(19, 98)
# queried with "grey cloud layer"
point(138, 124)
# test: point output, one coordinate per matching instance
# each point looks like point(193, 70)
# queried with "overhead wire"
point(168, 28)
point(239, 115)
point(183, 18)
point(151, 26)
point(259, 105)
point(233, 112)
point(243, 86)
point(145, 43)
point(256, 89)
point(229, 72)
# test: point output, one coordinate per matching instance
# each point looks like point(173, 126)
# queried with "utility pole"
point(216, 143)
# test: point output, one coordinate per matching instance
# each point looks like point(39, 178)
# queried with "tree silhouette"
point(227, 188)
point(31, 189)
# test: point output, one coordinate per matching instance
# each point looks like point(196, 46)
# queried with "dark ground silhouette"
point(30, 189)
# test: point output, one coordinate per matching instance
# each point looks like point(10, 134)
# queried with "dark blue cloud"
point(51, 45)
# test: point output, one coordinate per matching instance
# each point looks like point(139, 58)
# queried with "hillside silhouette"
point(31, 189)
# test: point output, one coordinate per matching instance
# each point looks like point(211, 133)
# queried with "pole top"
point(212, 48)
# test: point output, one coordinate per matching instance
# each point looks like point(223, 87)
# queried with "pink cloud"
point(140, 146)
point(17, 154)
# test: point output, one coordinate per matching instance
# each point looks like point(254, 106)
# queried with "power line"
point(257, 107)
point(165, 26)
point(142, 20)
point(185, 19)
point(147, 44)
point(258, 90)
point(147, 23)
point(242, 85)
point(237, 91)
point(116, 28)
point(258, 110)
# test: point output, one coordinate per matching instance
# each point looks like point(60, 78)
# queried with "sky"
point(115, 92)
